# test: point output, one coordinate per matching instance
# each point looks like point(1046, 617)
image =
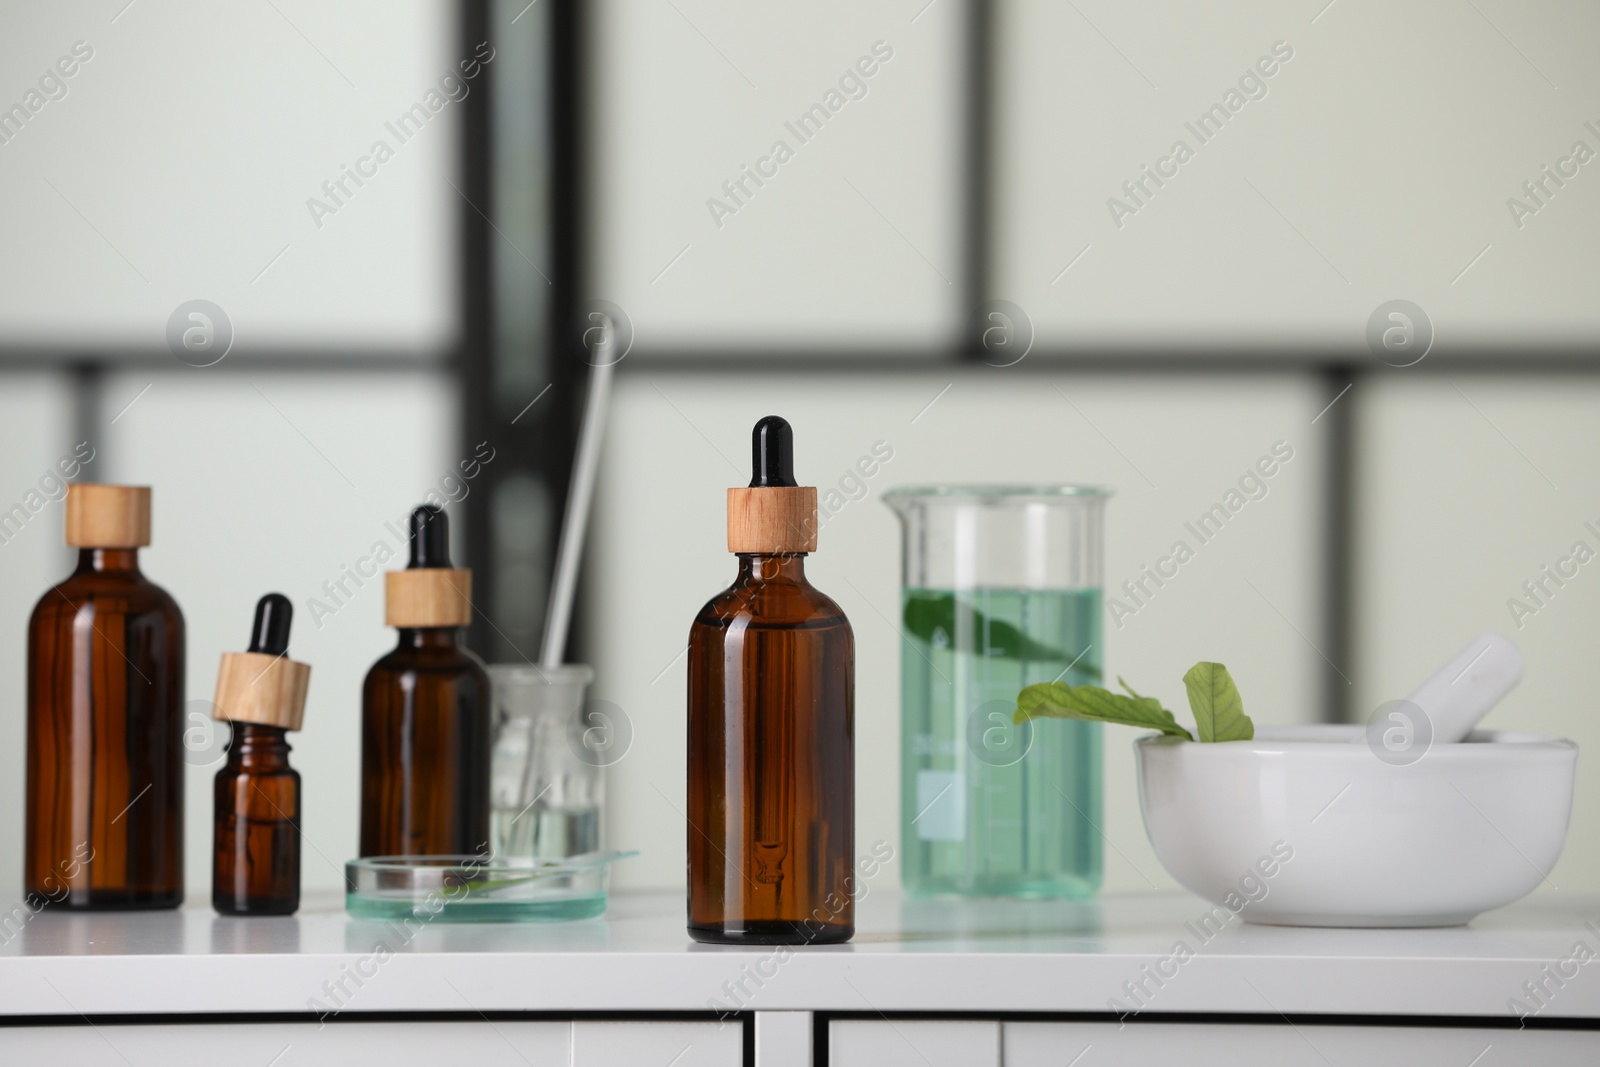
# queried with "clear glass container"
point(478, 888)
point(547, 771)
point(1001, 589)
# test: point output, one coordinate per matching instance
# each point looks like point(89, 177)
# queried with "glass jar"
point(547, 777)
point(1001, 590)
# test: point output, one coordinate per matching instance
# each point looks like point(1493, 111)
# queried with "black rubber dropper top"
point(430, 538)
point(772, 453)
point(270, 634)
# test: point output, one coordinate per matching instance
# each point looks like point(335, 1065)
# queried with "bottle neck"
point(108, 560)
point(755, 567)
point(430, 637)
point(258, 746)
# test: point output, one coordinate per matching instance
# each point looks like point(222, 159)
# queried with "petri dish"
point(486, 889)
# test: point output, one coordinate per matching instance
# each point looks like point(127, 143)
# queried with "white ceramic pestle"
point(1459, 694)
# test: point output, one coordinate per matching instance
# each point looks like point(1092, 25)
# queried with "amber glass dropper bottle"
point(105, 719)
point(425, 713)
point(771, 726)
point(255, 859)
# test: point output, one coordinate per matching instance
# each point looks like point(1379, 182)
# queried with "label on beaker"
point(941, 806)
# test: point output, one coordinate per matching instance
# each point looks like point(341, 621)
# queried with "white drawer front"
point(1140, 1044)
point(913, 1043)
point(338, 1044)
point(657, 1044)
point(393, 1044)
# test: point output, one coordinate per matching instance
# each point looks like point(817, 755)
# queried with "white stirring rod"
point(584, 466)
point(1464, 690)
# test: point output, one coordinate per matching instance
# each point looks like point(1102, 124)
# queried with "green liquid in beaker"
point(989, 808)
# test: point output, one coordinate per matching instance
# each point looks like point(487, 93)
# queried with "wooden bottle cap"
point(773, 519)
point(428, 596)
point(255, 687)
point(108, 516)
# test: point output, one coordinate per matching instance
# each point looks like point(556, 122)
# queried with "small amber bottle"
point(104, 820)
point(771, 728)
point(255, 859)
point(425, 713)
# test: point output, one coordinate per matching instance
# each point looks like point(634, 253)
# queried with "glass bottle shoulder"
point(777, 602)
point(431, 658)
point(131, 593)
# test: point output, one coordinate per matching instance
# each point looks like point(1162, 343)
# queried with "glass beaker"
point(546, 785)
point(1001, 589)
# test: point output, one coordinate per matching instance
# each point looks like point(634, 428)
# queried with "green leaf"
point(1058, 700)
point(926, 617)
point(1214, 699)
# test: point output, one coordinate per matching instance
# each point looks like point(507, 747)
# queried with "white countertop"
point(908, 956)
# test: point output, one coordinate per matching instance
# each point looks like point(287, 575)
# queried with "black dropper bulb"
point(430, 538)
point(772, 453)
point(270, 634)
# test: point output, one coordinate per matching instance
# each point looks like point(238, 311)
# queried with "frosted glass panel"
point(206, 151)
point(777, 176)
point(1266, 175)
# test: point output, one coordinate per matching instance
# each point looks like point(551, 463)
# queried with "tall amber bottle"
point(255, 856)
point(425, 715)
point(771, 728)
point(104, 822)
